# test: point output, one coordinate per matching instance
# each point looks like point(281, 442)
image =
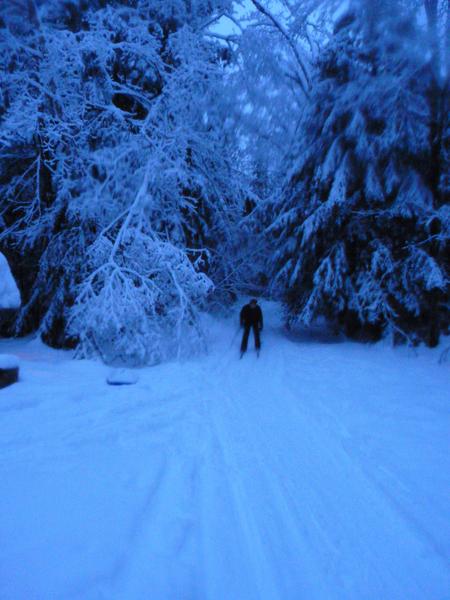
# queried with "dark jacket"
point(251, 317)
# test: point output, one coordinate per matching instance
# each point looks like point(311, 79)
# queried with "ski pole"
point(234, 337)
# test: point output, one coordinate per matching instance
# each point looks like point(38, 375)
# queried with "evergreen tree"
point(361, 234)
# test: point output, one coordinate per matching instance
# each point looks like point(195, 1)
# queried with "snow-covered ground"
point(318, 471)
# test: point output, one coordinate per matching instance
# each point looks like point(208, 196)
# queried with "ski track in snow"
point(318, 471)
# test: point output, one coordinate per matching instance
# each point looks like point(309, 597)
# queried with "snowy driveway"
point(318, 471)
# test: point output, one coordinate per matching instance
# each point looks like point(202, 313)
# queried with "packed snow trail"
point(318, 471)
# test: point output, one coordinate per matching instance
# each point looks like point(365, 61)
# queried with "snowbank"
point(9, 292)
point(122, 377)
point(8, 361)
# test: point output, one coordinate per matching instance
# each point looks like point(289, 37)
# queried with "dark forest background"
point(156, 163)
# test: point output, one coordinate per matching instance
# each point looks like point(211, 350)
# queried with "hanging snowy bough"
point(421, 270)
point(140, 303)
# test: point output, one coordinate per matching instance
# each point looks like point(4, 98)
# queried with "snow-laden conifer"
point(359, 232)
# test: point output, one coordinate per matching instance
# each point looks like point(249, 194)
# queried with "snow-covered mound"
point(8, 361)
point(122, 377)
point(9, 292)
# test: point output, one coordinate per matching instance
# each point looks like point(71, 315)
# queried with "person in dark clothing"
point(251, 318)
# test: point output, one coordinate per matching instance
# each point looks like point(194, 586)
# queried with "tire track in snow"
point(158, 560)
point(283, 534)
point(335, 513)
point(372, 517)
point(279, 509)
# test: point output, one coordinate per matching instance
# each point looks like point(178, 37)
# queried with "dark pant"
point(247, 333)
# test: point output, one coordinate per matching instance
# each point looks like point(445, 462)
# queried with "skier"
point(251, 318)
